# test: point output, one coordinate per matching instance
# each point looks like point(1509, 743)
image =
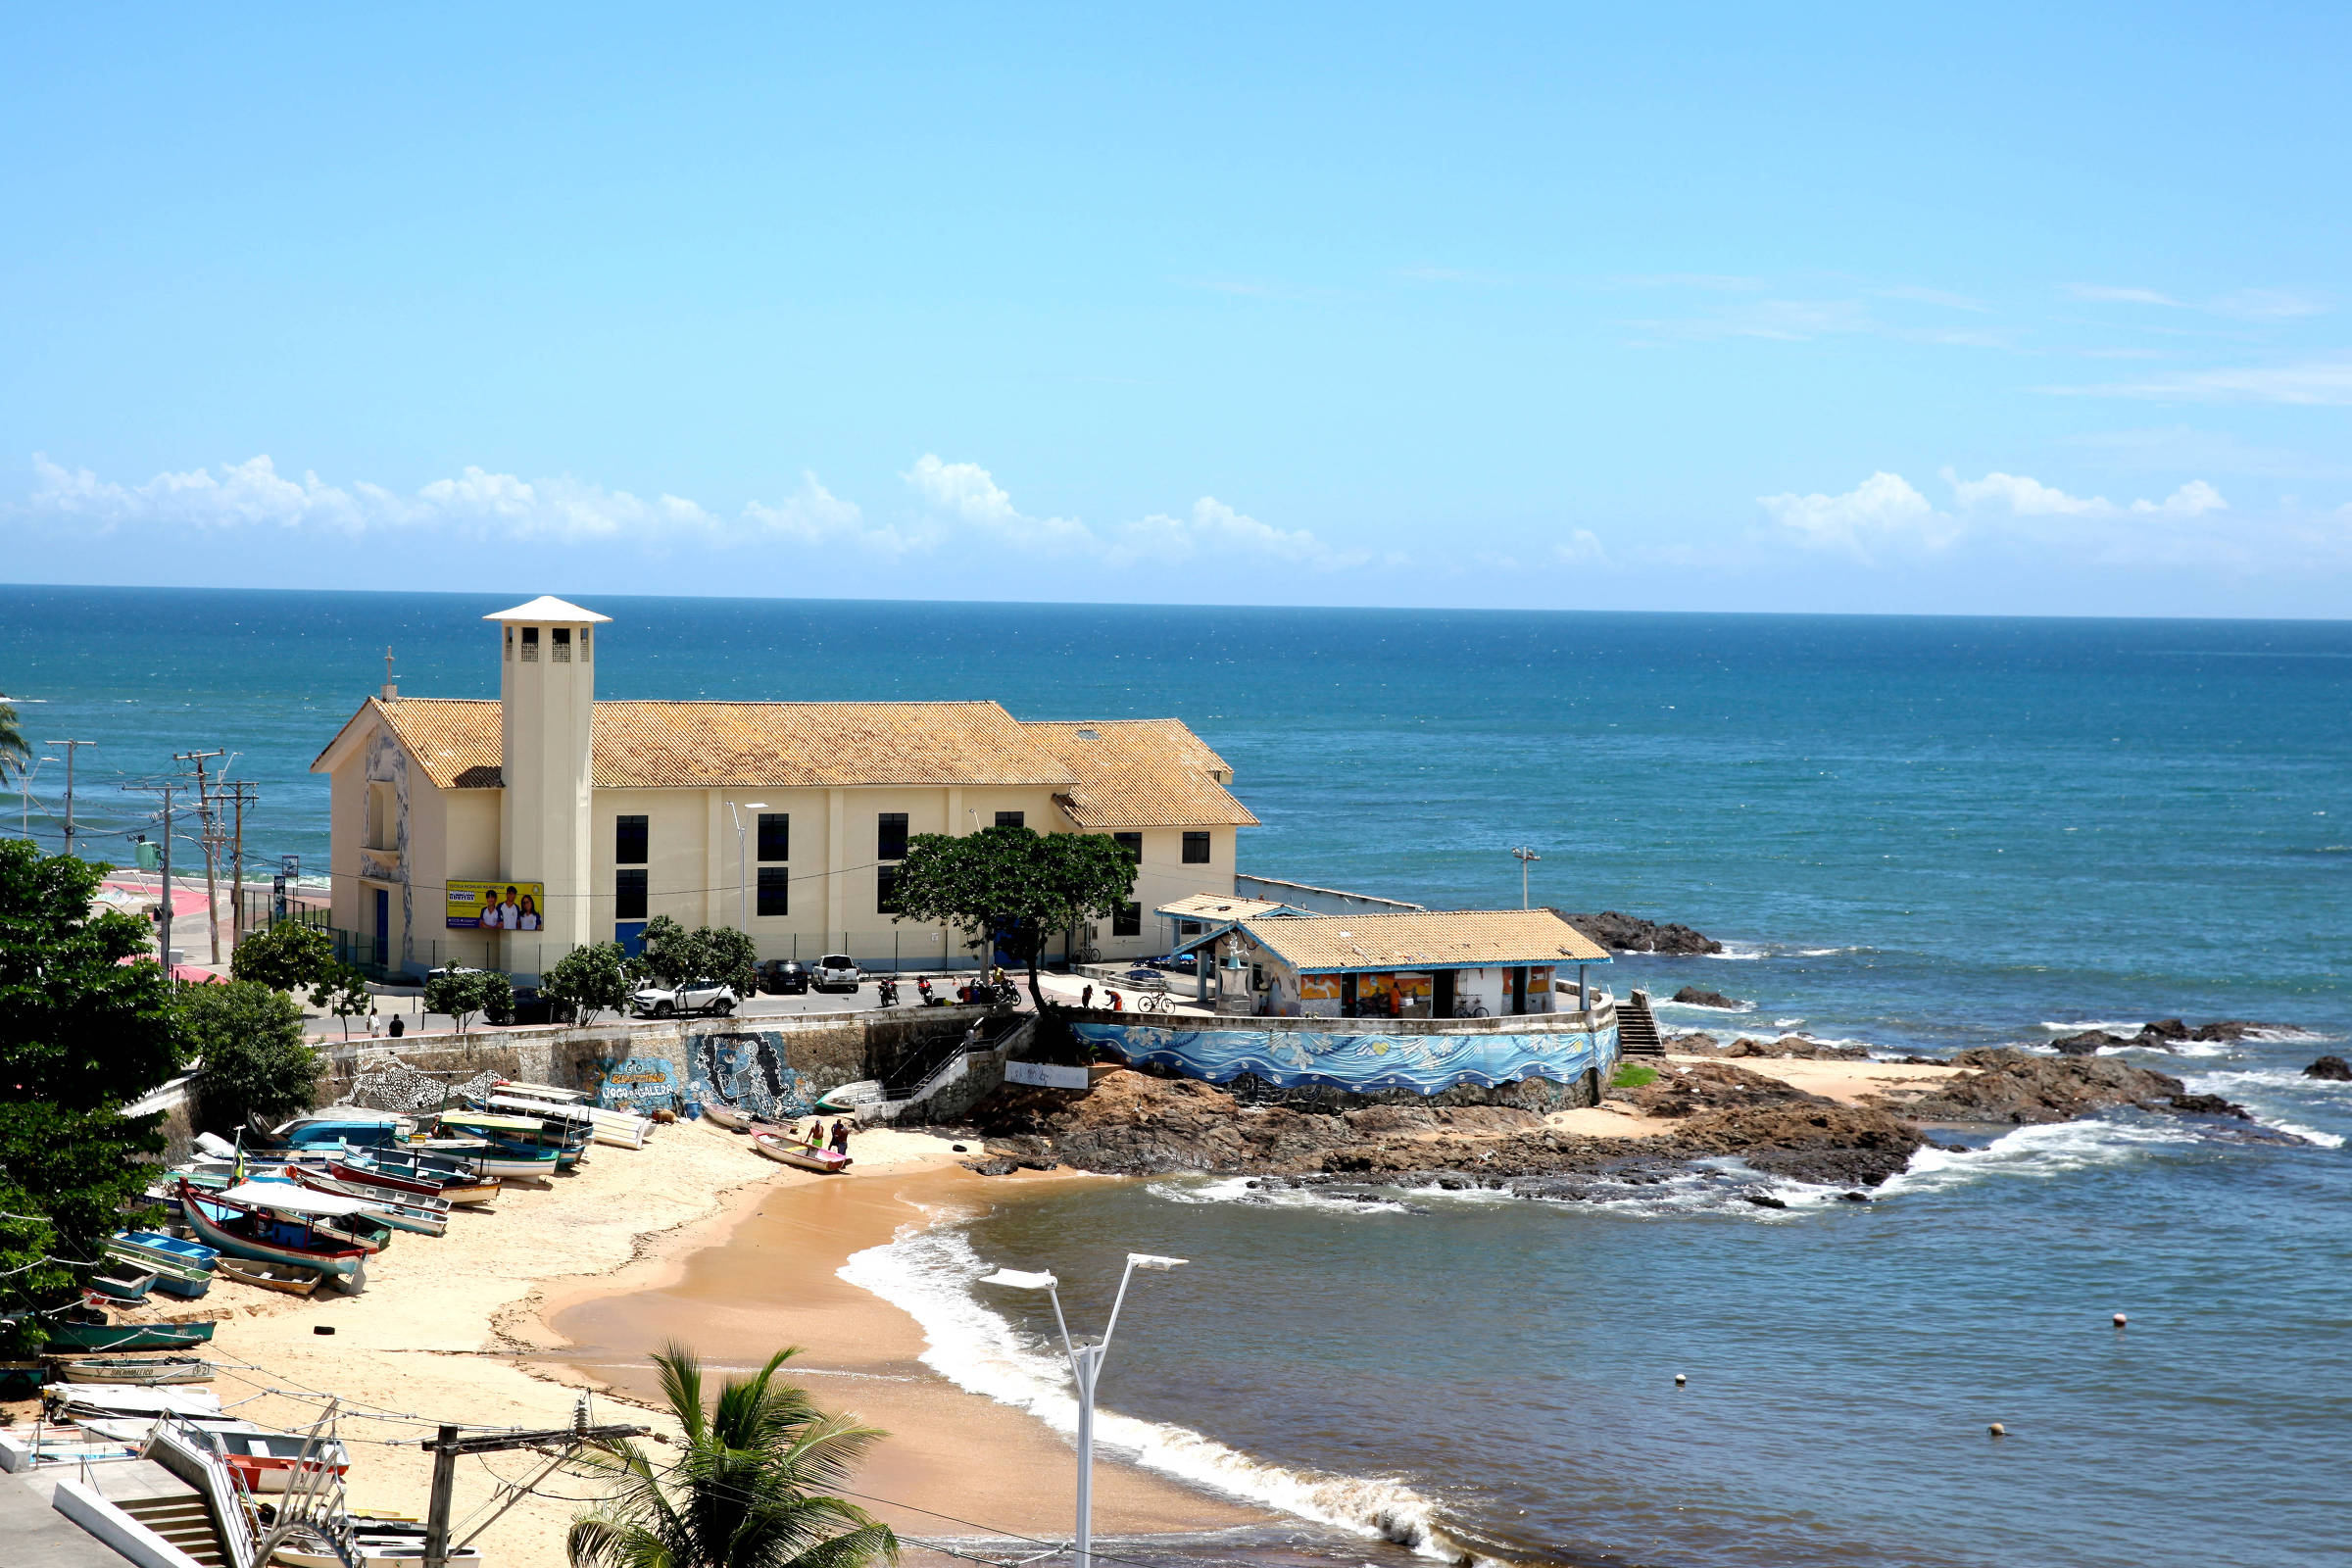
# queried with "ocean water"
point(1918, 833)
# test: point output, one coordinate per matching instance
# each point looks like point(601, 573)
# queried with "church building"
point(503, 834)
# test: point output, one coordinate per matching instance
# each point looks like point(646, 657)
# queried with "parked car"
point(784, 977)
point(836, 971)
point(533, 1005)
point(712, 997)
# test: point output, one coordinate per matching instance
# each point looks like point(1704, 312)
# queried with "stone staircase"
point(1637, 1028)
point(181, 1520)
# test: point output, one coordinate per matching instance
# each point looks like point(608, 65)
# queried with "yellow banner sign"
point(496, 906)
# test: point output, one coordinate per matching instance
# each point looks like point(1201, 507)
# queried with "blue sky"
point(1825, 308)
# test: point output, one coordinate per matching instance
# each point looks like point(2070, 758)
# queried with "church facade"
point(505, 833)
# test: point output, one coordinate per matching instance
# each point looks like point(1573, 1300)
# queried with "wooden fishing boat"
point(517, 1136)
point(159, 1248)
point(427, 1216)
point(121, 1282)
point(281, 1225)
point(734, 1120)
point(88, 1335)
point(295, 1279)
point(623, 1128)
point(375, 1542)
point(800, 1155)
point(393, 1174)
point(266, 1460)
point(143, 1370)
point(173, 1279)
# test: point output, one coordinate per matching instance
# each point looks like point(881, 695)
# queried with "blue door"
point(383, 927)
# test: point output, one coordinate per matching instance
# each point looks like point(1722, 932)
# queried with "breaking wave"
point(2038, 1152)
point(928, 1274)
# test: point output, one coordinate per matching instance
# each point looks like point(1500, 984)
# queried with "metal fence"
point(891, 950)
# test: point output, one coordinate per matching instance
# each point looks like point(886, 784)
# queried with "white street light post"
point(1086, 1365)
point(1523, 855)
point(743, 886)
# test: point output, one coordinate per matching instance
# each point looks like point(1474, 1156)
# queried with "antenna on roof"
point(1523, 855)
point(390, 691)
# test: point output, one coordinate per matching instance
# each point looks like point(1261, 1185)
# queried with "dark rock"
point(1694, 997)
point(1763, 1200)
point(2165, 1029)
point(1796, 1047)
point(2209, 1105)
point(2332, 1069)
point(1628, 933)
point(2230, 1029)
point(1856, 1197)
point(1711, 1086)
point(2012, 1086)
point(2089, 1043)
point(1692, 1043)
point(992, 1167)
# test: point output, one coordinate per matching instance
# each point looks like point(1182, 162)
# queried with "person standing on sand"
point(1086, 998)
point(841, 1138)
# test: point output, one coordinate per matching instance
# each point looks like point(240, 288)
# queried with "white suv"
point(836, 971)
point(694, 996)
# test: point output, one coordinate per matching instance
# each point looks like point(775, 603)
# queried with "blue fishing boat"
point(156, 1246)
point(278, 1224)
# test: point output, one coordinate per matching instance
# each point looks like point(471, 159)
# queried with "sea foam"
point(928, 1274)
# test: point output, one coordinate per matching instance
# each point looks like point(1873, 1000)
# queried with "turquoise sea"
point(1918, 833)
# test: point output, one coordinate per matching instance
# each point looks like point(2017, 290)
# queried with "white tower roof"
point(549, 608)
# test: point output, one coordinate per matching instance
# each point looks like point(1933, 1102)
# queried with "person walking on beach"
point(1086, 998)
point(841, 1138)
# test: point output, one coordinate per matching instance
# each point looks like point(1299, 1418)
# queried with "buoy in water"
point(1996, 1430)
point(1680, 1380)
point(2120, 1320)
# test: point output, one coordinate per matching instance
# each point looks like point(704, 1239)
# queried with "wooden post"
point(445, 1480)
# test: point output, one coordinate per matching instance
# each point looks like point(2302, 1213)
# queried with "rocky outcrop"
point(1797, 1048)
point(1694, 997)
point(2159, 1034)
point(2334, 1069)
point(1630, 933)
point(1710, 1086)
point(2016, 1087)
point(2209, 1105)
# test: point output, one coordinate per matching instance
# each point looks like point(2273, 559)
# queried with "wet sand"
point(953, 1463)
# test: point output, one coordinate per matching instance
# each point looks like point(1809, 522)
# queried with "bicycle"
point(1152, 1002)
point(1473, 1008)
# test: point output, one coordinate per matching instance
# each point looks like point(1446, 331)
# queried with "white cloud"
point(1580, 549)
point(1883, 510)
point(1215, 528)
point(2025, 497)
point(2320, 383)
point(1933, 296)
point(966, 493)
point(2106, 294)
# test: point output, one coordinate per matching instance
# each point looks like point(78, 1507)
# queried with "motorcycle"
point(888, 991)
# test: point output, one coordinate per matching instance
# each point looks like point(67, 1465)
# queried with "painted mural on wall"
point(1298, 1058)
point(639, 1084)
point(747, 1069)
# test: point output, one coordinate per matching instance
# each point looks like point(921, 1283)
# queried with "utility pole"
point(242, 795)
point(1523, 855)
point(164, 936)
point(212, 844)
point(447, 1447)
point(69, 746)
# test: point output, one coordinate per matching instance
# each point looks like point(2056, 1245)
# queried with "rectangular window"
point(531, 645)
point(630, 837)
point(628, 895)
point(775, 890)
point(1127, 921)
point(561, 652)
point(1131, 842)
point(886, 890)
point(890, 836)
point(584, 634)
point(1012, 819)
point(775, 836)
point(1196, 849)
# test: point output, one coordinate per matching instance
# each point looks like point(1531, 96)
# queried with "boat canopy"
point(494, 1123)
point(288, 1199)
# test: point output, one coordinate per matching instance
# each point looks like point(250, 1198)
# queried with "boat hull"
point(294, 1279)
point(129, 1336)
point(343, 1263)
point(144, 1371)
point(823, 1162)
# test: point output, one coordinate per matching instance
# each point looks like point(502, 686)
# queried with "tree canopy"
point(255, 1059)
point(82, 1035)
point(592, 979)
point(671, 953)
point(285, 956)
point(750, 1485)
point(462, 993)
point(1016, 886)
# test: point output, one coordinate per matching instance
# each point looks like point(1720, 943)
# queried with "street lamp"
point(1523, 855)
point(1086, 1365)
point(743, 886)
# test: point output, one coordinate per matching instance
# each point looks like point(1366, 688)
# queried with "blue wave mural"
point(1300, 1059)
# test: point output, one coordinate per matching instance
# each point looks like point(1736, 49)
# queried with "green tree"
point(343, 992)
point(671, 953)
point(82, 1035)
point(1014, 885)
point(751, 1487)
point(462, 993)
point(255, 1059)
point(13, 750)
point(592, 979)
point(285, 956)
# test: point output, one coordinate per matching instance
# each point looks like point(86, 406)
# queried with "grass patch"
point(1630, 1077)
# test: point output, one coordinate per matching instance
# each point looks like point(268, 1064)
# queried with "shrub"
point(254, 1058)
point(285, 957)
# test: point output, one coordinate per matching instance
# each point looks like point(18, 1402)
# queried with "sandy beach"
point(569, 1284)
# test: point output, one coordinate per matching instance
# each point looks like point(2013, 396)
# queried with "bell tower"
point(547, 705)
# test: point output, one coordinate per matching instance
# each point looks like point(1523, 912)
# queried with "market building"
point(504, 833)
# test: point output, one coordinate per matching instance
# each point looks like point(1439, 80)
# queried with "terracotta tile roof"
point(1437, 939)
point(1216, 906)
point(1132, 770)
point(1141, 772)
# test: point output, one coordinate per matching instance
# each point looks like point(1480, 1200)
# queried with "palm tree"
point(749, 1491)
point(13, 750)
